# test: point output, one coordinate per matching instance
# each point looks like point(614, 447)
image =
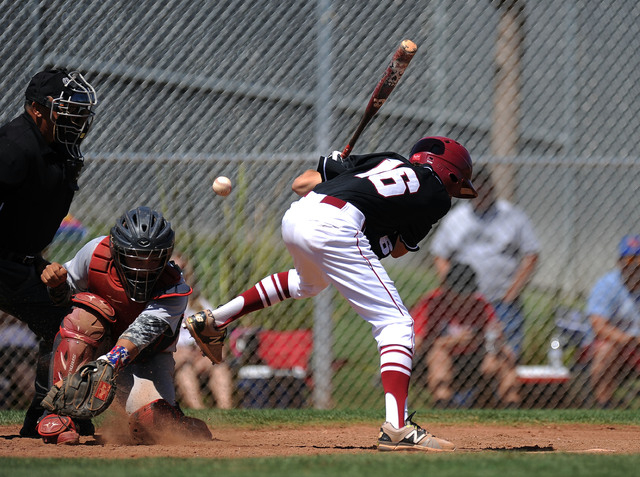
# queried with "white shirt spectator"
point(493, 243)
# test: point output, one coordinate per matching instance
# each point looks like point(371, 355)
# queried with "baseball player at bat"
point(353, 213)
point(127, 300)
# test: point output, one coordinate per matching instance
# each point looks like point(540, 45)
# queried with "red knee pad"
point(96, 303)
point(159, 422)
point(56, 429)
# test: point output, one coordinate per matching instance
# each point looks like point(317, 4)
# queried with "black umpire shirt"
point(35, 195)
point(397, 198)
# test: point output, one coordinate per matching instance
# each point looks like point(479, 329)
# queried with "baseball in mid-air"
point(222, 186)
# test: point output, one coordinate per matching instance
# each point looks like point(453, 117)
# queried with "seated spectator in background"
point(191, 364)
point(614, 310)
point(458, 331)
point(18, 349)
point(498, 240)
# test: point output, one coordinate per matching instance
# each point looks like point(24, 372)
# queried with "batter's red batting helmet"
point(450, 161)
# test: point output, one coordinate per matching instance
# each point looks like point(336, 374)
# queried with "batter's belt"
point(346, 207)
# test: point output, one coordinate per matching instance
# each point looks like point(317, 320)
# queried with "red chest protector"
point(105, 282)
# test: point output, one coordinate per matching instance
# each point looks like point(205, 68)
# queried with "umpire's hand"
point(54, 275)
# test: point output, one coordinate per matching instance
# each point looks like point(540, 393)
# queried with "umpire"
point(40, 161)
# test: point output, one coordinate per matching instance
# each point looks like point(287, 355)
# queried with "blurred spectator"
point(498, 240)
point(191, 364)
point(459, 336)
point(273, 367)
point(18, 348)
point(614, 310)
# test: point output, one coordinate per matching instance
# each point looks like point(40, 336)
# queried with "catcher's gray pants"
point(140, 383)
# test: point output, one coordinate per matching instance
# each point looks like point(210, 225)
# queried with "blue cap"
point(629, 246)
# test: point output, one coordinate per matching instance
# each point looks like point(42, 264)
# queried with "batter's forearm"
point(305, 182)
point(399, 249)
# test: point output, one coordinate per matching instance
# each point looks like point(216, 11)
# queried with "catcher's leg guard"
point(159, 422)
point(56, 429)
point(81, 332)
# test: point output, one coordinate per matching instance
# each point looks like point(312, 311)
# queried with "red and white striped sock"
point(395, 372)
point(268, 291)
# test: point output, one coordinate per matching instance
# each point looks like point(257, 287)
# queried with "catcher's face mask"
point(141, 245)
point(139, 271)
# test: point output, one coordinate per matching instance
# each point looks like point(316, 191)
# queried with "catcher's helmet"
point(72, 103)
point(449, 160)
point(141, 245)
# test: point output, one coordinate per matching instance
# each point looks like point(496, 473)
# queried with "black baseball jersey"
point(396, 197)
point(35, 194)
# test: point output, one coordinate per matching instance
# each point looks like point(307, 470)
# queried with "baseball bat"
point(383, 89)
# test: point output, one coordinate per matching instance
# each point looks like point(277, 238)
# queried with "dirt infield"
point(353, 439)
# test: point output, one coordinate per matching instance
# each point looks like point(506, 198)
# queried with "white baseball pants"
point(324, 236)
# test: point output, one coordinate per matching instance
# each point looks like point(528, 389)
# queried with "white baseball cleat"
point(411, 437)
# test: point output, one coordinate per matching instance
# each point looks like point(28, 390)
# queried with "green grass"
point(507, 463)
point(450, 465)
point(268, 417)
point(263, 418)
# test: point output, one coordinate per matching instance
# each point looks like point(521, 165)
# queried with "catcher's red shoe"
point(56, 429)
point(159, 422)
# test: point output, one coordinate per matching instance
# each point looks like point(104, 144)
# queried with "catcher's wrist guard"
point(210, 339)
point(83, 394)
point(118, 357)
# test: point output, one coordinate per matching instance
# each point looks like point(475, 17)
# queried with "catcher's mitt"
point(84, 394)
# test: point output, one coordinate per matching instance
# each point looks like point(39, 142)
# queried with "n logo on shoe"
point(413, 436)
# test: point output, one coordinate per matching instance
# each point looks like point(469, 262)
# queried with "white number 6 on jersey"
point(390, 179)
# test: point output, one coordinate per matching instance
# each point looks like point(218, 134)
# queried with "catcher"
point(117, 342)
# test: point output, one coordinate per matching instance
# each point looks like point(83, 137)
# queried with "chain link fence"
point(545, 93)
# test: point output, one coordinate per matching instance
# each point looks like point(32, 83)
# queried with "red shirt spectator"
point(444, 312)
